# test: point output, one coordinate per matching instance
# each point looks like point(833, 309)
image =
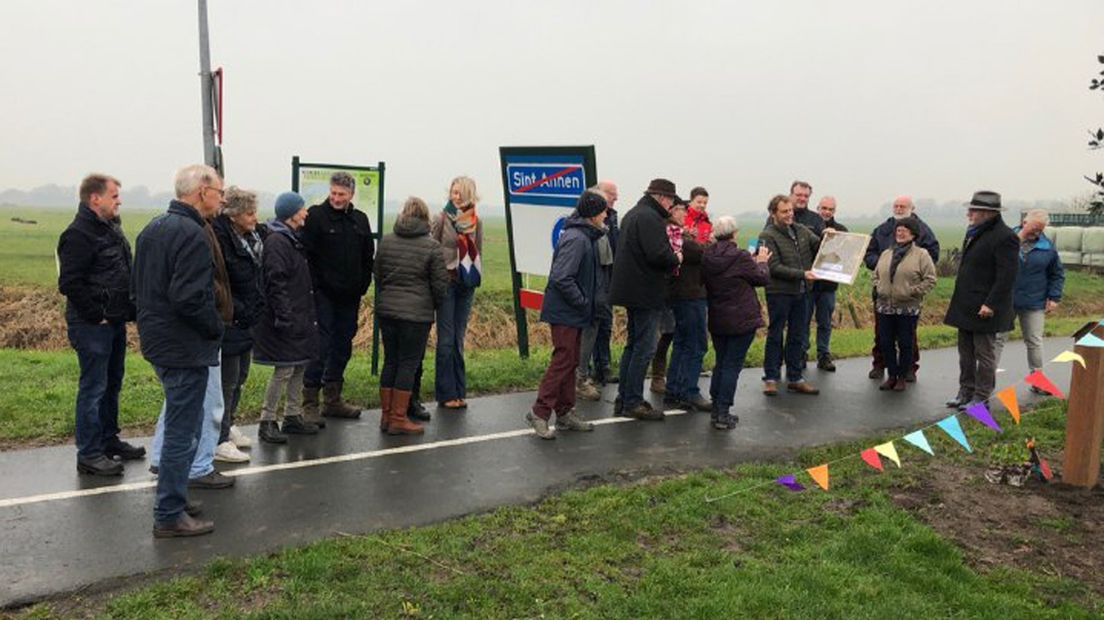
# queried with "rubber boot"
point(310, 407)
point(386, 396)
point(333, 405)
point(398, 423)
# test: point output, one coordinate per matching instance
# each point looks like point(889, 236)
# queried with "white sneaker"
point(227, 452)
point(240, 440)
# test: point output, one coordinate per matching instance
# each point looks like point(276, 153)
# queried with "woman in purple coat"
point(731, 275)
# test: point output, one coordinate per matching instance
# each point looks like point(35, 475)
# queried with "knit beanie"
point(590, 204)
point(288, 204)
point(910, 223)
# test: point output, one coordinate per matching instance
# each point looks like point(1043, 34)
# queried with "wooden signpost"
point(1085, 418)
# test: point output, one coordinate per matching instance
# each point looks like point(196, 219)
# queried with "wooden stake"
point(1085, 419)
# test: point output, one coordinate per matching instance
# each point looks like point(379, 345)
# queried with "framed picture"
point(840, 256)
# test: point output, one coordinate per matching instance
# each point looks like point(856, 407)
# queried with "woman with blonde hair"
point(412, 281)
point(460, 232)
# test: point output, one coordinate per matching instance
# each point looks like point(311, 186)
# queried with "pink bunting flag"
point(870, 455)
point(980, 412)
point(791, 483)
point(1039, 380)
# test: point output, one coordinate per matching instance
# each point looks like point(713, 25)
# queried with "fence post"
point(1085, 418)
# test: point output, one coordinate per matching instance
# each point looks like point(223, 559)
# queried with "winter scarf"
point(899, 252)
point(674, 235)
point(465, 222)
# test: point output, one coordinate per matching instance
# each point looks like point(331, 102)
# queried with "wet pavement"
point(60, 531)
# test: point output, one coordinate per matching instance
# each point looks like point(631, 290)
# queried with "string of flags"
point(820, 474)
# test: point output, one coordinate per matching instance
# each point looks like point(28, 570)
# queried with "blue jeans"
point(203, 462)
point(184, 395)
point(787, 321)
point(824, 306)
point(452, 326)
point(337, 325)
point(101, 352)
point(687, 349)
point(896, 335)
point(731, 351)
point(643, 334)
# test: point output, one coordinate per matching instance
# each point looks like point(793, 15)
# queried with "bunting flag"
point(950, 426)
point(888, 450)
point(1007, 396)
point(1091, 340)
point(1069, 356)
point(1039, 380)
point(819, 474)
point(918, 439)
point(1045, 467)
point(980, 412)
point(790, 483)
point(870, 455)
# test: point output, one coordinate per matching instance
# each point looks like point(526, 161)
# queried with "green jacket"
point(790, 258)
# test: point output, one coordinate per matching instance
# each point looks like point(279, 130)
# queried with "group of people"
point(213, 291)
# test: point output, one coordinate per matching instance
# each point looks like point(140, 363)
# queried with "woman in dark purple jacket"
point(731, 275)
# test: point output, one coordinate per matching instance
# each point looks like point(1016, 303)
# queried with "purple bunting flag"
point(791, 483)
point(980, 412)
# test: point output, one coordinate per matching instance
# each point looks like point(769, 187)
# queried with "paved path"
point(60, 531)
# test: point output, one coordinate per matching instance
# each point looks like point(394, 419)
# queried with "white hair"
point(1038, 215)
point(725, 227)
point(190, 178)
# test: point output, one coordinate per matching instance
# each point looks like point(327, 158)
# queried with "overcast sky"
point(865, 99)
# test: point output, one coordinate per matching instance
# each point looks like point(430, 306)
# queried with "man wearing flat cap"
point(981, 305)
point(641, 264)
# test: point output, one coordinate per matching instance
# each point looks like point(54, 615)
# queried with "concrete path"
point(60, 531)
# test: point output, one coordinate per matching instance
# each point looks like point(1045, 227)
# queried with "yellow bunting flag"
point(889, 451)
point(819, 474)
point(1069, 356)
point(1007, 397)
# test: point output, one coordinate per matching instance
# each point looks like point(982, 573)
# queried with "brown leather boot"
point(386, 396)
point(334, 406)
point(310, 407)
point(398, 423)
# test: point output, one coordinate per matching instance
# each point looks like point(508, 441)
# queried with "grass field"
point(655, 549)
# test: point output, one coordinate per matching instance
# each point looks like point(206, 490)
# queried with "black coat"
point(570, 298)
point(174, 289)
point(986, 276)
point(643, 259)
point(731, 275)
point(287, 333)
point(94, 270)
point(411, 278)
point(688, 283)
point(883, 239)
point(340, 249)
point(246, 285)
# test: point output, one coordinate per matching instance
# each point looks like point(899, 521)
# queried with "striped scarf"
point(674, 235)
point(466, 223)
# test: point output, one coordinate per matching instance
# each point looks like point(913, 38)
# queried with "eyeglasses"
point(221, 192)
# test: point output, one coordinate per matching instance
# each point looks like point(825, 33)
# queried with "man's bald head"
point(609, 188)
point(903, 207)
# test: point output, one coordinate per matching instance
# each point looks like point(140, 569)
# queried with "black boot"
point(296, 425)
point(417, 411)
point(269, 432)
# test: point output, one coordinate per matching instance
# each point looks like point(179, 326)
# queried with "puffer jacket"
point(731, 275)
point(790, 258)
point(914, 279)
point(410, 273)
point(94, 264)
point(570, 298)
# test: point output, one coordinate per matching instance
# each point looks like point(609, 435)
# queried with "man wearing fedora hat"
point(981, 305)
point(641, 264)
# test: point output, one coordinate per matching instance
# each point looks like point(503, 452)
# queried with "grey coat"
point(410, 273)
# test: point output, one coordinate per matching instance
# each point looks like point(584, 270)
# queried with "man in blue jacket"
point(570, 305)
point(1038, 288)
point(180, 329)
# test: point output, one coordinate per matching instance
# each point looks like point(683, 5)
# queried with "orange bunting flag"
point(888, 450)
point(1007, 396)
point(819, 474)
point(871, 457)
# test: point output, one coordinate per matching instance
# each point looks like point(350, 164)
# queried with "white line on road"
point(341, 458)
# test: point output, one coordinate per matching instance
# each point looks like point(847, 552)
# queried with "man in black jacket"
point(823, 297)
point(641, 264)
point(180, 330)
point(881, 240)
point(94, 276)
point(981, 305)
point(340, 249)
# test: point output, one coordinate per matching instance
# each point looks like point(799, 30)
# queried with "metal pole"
point(210, 156)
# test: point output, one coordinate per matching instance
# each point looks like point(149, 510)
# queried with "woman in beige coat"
point(904, 275)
